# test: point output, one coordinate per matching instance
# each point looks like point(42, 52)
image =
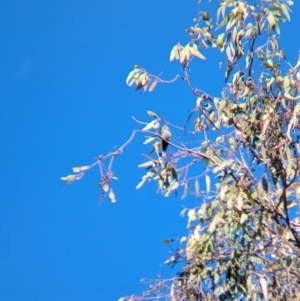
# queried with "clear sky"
point(64, 100)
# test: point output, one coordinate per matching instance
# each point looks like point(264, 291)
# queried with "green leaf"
point(222, 105)
point(243, 218)
point(192, 215)
point(272, 22)
point(285, 11)
point(146, 164)
point(174, 185)
point(207, 181)
point(152, 86)
point(152, 114)
point(186, 186)
point(153, 124)
point(81, 168)
point(156, 146)
point(264, 287)
point(197, 186)
point(227, 72)
point(130, 76)
point(298, 193)
point(232, 142)
point(220, 40)
point(198, 101)
point(104, 186)
point(174, 53)
point(196, 52)
point(69, 178)
point(112, 196)
point(149, 140)
point(139, 185)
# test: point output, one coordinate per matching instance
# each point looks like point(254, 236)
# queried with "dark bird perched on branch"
point(166, 135)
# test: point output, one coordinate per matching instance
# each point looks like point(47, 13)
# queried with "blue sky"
point(64, 100)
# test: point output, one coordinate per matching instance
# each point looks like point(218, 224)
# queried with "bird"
point(166, 136)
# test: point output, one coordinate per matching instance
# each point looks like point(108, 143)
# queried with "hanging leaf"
point(112, 196)
point(81, 168)
point(186, 186)
point(285, 11)
point(152, 86)
point(220, 40)
point(157, 146)
point(207, 181)
point(232, 142)
point(192, 215)
point(272, 22)
point(130, 76)
point(264, 287)
point(197, 186)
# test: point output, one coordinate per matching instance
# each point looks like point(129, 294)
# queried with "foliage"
point(244, 240)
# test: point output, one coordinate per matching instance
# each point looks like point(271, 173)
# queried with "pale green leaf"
point(84, 168)
point(152, 114)
point(151, 125)
point(192, 215)
point(186, 186)
point(138, 186)
point(112, 196)
point(285, 11)
point(232, 142)
point(220, 40)
point(130, 76)
point(182, 239)
point(197, 186)
point(104, 186)
point(243, 218)
point(207, 181)
point(69, 178)
point(264, 287)
point(149, 140)
point(146, 164)
point(197, 53)
point(198, 101)
point(76, 169)
point(152, 86)
point(174, 185)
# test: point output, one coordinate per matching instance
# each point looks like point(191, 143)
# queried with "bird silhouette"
point(166, 136)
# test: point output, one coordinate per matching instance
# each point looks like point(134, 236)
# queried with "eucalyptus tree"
point(244, 237)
